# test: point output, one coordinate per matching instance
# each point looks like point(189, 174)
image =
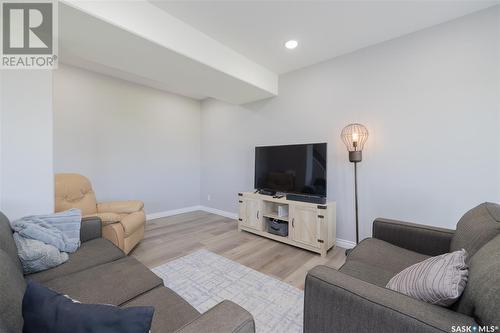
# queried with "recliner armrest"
point(90, 228)
point(337, 302)
point(225, 317)
point(120, 207)
point(420, 238)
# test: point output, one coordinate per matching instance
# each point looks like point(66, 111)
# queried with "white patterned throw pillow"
point(437, 280)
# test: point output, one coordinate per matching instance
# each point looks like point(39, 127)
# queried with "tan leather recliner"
point(122, 221)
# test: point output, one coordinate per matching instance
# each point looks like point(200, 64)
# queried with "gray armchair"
point(354, 298)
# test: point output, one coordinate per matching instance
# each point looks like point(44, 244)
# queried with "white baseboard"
point(172, 212)
point(345, 243)
point(219, 212)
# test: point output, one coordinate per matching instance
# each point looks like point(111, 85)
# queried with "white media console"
point(310, 226)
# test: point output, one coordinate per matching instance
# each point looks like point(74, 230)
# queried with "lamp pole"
point(355, 157)
point(356, 199)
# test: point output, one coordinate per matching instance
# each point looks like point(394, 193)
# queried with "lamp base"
point(355, 156)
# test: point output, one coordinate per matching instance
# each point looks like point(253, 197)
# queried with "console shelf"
point(275, 216)
point(310, 226)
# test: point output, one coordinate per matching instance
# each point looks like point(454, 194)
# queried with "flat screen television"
point(299, 169)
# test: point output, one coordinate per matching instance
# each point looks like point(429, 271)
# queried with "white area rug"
point(204, 279)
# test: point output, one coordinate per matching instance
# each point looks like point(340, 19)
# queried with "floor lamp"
point(354, 137)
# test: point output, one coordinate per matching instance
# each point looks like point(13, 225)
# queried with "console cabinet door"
point(250, 213)
point(305, 225)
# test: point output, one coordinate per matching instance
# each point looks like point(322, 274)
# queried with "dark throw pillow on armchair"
point(44, 310)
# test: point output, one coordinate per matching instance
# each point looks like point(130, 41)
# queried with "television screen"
point(292, 169)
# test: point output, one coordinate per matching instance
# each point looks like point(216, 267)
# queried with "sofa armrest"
point(334, 301)
point(225, 317)
point(420, 238)
point(120, 207)
point(90, 228)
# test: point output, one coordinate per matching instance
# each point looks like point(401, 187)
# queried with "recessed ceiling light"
point(291, 44)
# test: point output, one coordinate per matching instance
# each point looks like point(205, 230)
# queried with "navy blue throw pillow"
point(44, 310)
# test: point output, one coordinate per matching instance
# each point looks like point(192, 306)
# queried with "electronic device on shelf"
point(282, 210)
point(306, 198)
point(266, 192)
point(277, 227)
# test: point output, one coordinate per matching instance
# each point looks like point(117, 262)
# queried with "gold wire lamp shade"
point(354, 137)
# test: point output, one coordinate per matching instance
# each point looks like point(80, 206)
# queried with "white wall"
point(430, 101)
point(133, 142)
point(26, 166)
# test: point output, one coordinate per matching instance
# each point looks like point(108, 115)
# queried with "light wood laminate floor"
point(175, 236)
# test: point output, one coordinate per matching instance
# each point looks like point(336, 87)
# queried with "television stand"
point(310, 226)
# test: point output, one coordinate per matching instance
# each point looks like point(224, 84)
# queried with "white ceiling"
point(324, 29)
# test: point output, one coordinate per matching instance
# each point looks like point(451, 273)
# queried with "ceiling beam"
point(136, 41)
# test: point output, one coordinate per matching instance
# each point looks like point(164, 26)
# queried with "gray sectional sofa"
point(99, 272)
point(354, 298)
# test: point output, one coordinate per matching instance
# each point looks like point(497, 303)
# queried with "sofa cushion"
point(112, 283)
point(92, 253)
point(7, 243)
point(12, 286)
point(171, 311)
point(481, 297)
point(44, 310)
point(438, 280)
point(367, 272)
point(476, 228)
point(376, 261)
